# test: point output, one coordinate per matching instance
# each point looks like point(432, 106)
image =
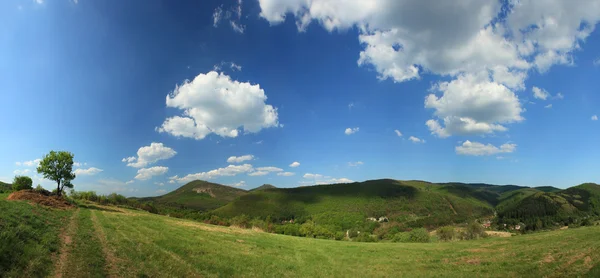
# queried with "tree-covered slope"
point(4, 187)
point(538, 210)
point(200, 195)
point(344, 206)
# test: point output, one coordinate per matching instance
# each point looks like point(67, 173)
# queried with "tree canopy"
point(58, 166)
point(22, 183)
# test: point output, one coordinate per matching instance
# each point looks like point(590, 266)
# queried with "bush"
point(419, 235)
point(365, 237)
point(22, 183)
point(339, 235)
point(401, 237)
point(288, 229)
point(242, 221)
point(446, 233)
point(474, 231)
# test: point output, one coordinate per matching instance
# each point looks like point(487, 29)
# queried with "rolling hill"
point(345, 206)
point(5, 186)
point(199, 195)
point(263, 187)
point(540, 210)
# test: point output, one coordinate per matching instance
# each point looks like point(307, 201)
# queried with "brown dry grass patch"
point(212, 228)
point(37, 198)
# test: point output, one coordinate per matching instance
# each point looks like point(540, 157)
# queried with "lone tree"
point(22, 183)
point(58, 166)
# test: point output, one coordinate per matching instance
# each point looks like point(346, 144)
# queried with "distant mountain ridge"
point(200, 195)
point(408, 203)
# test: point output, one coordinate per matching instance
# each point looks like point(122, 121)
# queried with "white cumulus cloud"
point(258, 173)
point(87, 172)
point(213, 103)
point(295, 164)
point(479, 149)
point(486, 47)
point(286, 174)
point(470, 106)
point(312, 176)
point(21, 172)
point(398, 133)
point(239, 184)
point(269, 169)
point(148, 173)
point(230, 170)
point(416, 140)
point(349, 131)
point(240, 159)
point(149, 154)
point(540, 93)
point(594, 117)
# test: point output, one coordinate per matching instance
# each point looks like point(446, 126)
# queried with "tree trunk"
point(58, 188)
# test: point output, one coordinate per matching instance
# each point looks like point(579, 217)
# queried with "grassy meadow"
point(98, 241)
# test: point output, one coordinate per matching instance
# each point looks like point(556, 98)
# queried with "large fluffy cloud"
point(213, 103)
point(470, 105)
point(149, 154)
point(147, 173)
point(487, 47)
point(479, 149)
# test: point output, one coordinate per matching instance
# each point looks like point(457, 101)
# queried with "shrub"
point(288, 229)
point(22, 183)
point(446, 233)
point(401, 237)
point(339, 235)
point(419, 235)
point(365, 237)
point(474, 231)
point(242, 221)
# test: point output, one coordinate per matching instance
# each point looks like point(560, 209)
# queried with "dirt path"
point(452, 207)
point(109, 257)
point(66, 237)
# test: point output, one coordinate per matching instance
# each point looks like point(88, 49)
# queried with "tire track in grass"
point(146, 239)
point(109, 257)
point(66, 237)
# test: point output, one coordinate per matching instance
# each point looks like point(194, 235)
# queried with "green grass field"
point(99, 241)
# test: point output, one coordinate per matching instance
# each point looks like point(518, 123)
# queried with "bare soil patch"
point(65, 248)
point(37, 198)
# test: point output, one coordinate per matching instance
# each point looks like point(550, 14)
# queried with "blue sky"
point(151, 94)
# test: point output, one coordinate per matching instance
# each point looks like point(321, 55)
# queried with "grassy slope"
point(154, 246)
point(125, 243)
point(29, 235)
point(412, 203)
point(215, 196)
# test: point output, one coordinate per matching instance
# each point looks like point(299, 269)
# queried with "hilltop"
point(199, 195)
point(263, 187)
